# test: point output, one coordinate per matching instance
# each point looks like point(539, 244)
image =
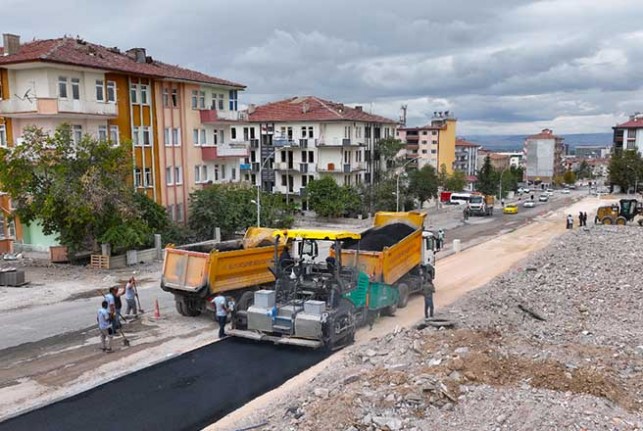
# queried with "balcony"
point(284, 166)
point(50, 107)
point(212, 116)
point(307, 168)
point(210, 153)
point(254, 143)
point(337, 143)
point(354, 167)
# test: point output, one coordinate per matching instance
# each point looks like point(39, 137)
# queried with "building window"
point(434, 151)
point(168, 176)
point(179, 212)
point(223, 172)
point(138, 179)
point(197, 174)
point(233, 100)
point(3, 136)
point(147, 139)
point(221, 102)
point(100, 90)
point(144, 99)
point(195, 137)
point(75, 88)
point(203, 140)
point(201, 99)
point(233, 133)
point(166, 98)
point(149, 181)
point(217, 136)
point(134, 94)
point(170, 211)
point(135, 138)
point(347, 132)
point(166, 137)
point(111, 91)
point(77, 133)
point(234, 174)
point(195, 99)
point(176, 137)
point(310, 132)
point(216, 172)
point(178, 175)
point(114, 135)
point(175, 98)
point(62, 87)
point(204, 173)
point(102, 133)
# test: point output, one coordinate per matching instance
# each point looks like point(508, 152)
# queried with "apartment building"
point(176, 122)
point(434, 143)
point(629, 135)
point(543, 156)
point(296, 140)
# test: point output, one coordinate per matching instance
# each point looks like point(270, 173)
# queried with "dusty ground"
point(456, 275)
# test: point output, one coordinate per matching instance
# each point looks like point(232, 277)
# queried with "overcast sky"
point(502, 66)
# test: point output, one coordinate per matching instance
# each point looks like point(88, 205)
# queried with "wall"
point(446, 145)
point(540, 158)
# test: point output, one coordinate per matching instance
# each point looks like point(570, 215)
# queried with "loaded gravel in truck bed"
point(378, 238)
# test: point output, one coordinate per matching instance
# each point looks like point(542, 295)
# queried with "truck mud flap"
point(257, 336)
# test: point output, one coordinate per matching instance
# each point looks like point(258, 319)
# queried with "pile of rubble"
point(554, 344)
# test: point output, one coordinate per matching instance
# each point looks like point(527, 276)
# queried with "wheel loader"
point(619, 213)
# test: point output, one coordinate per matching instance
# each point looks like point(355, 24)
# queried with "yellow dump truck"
point(195, 273)
point(396, 251)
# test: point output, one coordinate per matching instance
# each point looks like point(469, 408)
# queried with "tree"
point(584, 170)
point(327, 198)
point(387, 153)
point(456, 181)
point(569, 177)
point(625, 169)
point(443, 178)
point(488, 178)
point(76, 190)
point(423, 183)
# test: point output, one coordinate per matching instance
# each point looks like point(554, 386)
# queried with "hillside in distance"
point(510, 143)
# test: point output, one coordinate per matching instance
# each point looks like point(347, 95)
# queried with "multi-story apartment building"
point(295, 140)
point(466, 157)
point(629, 135)
point(515, 159)
point(176, 122)
point(591, 151)
point(433, 144)
point(543, 155)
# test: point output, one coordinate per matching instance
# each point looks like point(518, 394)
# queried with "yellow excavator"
point(619, 213)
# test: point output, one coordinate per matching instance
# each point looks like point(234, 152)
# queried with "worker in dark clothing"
point(285, 260)
point(580, 219)
point(429, 290)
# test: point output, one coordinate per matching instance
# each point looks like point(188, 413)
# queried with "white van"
point(459, 198)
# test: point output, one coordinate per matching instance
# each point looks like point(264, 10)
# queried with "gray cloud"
point(500, 65)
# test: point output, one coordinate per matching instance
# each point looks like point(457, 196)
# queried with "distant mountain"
point(509, 143)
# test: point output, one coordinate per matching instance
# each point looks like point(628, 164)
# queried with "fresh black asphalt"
point(183, 393)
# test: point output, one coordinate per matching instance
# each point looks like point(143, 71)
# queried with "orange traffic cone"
point(157, 312)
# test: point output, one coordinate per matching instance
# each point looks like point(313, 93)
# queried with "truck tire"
point(390, 310)
point(621, 221)
point(246, 301)
point(607, 220)
point(403, 290)
point(344, 318)
point(193, 307)
point(180, 306)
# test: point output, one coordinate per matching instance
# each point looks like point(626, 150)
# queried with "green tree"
point(423, 183)
point(387, 152)
point(569, 177)
point(76, 190)
point(625, 169)
point(456, 181)
point(584, 170)
point(443, 178)
point(326, 197)
point(488, 178)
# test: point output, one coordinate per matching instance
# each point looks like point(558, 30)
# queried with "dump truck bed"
point(393, 260)
point(190, 271)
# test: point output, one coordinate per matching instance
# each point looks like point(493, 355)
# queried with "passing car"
point(510, 209)
point(529, 204)
point(543, 198)
point(565, 191)
point(549, 192)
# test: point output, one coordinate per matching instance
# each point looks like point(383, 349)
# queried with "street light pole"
point(397, 185)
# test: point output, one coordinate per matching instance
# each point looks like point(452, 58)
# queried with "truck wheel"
point(246, 301)
point(607, 220)
point(403, 290)
point(391, 309)
point(621, 221)
point(192, 307)
point(180, 306)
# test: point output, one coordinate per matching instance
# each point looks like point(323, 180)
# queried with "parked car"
point(565, 191)
point(549, 192)
point(543, 198)
point(529, 204)
point(510, 209)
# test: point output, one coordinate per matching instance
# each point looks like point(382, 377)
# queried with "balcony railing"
point(214, 116)
point(49, 107)
point(209, 153)
point(339, 142)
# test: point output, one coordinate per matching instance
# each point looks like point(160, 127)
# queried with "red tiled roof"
point(462, 143)
point(636, 123)
point(77, 52)
point(311, 108)
point(497, 156)
point(545, 134)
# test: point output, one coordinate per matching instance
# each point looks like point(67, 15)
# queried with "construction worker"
point(130, 297)
point(570, 222)
point(105, 327)
point(428, 291)
point(221, 312)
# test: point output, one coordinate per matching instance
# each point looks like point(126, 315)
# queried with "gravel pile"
point(555, 344)
point(385, 236)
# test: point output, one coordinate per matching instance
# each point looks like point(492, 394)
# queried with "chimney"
point(11, 43)
point(304, 107)
point(359, 108)
point(251, 108)
point(138, 54)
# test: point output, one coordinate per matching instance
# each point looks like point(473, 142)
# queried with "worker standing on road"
point(130, 297)
point(429, 290)
point(115, 305)
point(440, 239)
point(570, 222)
point(580, 219)
point(221, 312)
point(105, 328)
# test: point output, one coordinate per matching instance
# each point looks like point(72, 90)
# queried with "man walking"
point(130, 297)
point(221, 312)
point(429, 290)
point(105, 328)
